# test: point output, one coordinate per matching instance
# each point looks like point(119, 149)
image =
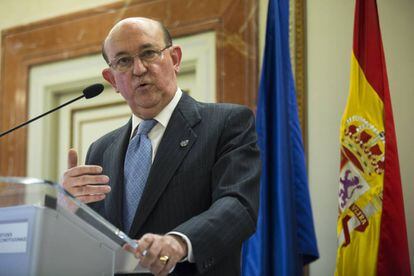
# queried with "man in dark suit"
point(199, 200)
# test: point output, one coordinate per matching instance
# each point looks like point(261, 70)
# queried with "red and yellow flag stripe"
point(371, 227)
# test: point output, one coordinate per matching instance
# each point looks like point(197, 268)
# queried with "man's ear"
point(176, 55)
point(109, 77)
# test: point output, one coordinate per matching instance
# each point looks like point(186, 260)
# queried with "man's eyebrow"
point(146, 46)
point(123, 53)
point(142, 47)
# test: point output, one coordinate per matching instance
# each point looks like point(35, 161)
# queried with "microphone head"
point(93, 90)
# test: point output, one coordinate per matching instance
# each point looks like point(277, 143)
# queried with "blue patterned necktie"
point(137, 165)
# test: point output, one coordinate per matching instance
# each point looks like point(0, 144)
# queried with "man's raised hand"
point(85, 182)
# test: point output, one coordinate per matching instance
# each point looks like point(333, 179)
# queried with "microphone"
point(92, 90)
point(89, 92)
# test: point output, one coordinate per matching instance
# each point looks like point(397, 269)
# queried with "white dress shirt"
point(155, 135)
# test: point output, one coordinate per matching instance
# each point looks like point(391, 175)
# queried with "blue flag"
point(285, 237)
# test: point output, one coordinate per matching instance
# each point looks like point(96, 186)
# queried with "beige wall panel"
point(87, 124)
point(13, 13)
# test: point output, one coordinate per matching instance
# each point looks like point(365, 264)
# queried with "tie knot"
point(146, 126)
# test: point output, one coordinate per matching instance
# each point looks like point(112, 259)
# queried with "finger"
point(88, 180)
point(72, 158)
point(175, 250)
point(172, 261)
point(129, 248)
point(81, 170)
point(144, 244)
point(77, 185)
point(90, 190)
point(156, 265)
point(151, 259)
point(91, 198)
point(168, 266)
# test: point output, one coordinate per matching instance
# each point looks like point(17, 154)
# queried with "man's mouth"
point(142, 86)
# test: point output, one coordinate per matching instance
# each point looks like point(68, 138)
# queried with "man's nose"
point(139, 67)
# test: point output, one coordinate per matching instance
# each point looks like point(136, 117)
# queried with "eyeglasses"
point(125, 62)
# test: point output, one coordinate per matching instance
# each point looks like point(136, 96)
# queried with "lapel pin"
point(184, 143)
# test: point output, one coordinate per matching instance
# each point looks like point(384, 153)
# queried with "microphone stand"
point(40, 116)
point(89, 92)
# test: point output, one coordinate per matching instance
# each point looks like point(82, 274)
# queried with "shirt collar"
point(164, 116)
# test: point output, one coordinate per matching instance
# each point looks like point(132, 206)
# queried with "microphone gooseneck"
point(89, 92)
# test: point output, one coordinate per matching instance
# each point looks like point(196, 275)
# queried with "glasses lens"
point(149, 56)
point(146, 57)
point(124, 63)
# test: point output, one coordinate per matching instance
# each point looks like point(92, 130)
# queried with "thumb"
point(72, 158)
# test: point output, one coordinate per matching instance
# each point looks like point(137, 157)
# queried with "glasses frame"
point(113, 63)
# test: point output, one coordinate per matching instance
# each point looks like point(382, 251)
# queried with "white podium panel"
point(45, 231)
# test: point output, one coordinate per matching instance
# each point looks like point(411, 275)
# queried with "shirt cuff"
point(190, 256)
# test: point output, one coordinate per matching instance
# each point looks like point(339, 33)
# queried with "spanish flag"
point(372, 237)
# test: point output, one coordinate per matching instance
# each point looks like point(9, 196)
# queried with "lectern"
point(46, 231)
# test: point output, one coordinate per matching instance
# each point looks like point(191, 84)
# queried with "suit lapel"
point(175, 144)
point(113, 165)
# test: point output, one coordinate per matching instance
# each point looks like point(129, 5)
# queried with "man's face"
point(147, 88)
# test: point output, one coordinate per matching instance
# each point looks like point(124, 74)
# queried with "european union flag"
point(285, 238)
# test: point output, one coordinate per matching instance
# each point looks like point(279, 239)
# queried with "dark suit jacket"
point(206, 188)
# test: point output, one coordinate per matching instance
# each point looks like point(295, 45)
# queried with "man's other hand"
point(85, 182)
point(159, 253)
